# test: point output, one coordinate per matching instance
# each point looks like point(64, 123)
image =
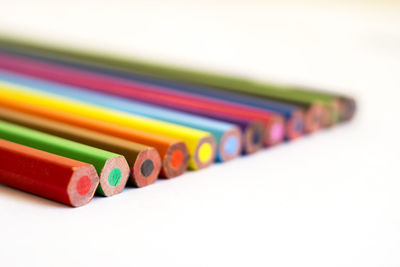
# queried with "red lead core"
point(83, 186)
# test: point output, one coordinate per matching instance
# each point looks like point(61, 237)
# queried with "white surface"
point(330, 199)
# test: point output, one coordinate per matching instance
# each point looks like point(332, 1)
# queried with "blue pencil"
point(228, 136)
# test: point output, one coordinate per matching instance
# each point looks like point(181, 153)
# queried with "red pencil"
point(44, 174)
point(274, 123)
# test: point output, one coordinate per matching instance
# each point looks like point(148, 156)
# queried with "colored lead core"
point(316, 119)
point(231, 145)
point(313, 118)
point(276, 132)
point(205, 152)
point(299, 125)
point(83, 186)
point(256, 138)
point(176, 158)
point(114, 177)
point(295, 125)
point(147, 167)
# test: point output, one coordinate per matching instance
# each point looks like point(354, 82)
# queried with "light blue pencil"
point(228, 136)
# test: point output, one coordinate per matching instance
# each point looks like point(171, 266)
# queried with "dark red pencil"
point(48, 175)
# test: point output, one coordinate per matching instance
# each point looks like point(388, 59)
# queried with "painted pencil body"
point(227, 136)
point(346, 105)
point(270, 91)
point(144, 161)
point(112, 168)
point(274, 124)
point(201, 145)
point(47, 175)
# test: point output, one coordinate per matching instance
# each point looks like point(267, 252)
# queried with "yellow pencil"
point(201, 145)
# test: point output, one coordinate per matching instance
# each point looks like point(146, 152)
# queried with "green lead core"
point(114, 177)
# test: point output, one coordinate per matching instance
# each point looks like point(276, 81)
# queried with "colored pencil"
point(227, 136)
point(138, 91)
point(144, 161)
point(201, 145)
point(271, 91)
point(295, 115)
point(112, 168)
point(47, 175)
point(346, 105)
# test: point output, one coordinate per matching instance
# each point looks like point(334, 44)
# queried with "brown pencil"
point(144, 161)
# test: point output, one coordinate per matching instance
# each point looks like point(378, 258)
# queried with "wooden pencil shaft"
point(47, 175)
point(347, 106)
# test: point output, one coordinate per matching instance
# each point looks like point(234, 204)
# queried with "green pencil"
point(112, 168)
point(346, 105)
point(293, 95)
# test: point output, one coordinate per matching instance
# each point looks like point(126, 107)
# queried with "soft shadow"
point(22, 196)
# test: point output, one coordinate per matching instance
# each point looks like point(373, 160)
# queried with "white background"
point(330, 199)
